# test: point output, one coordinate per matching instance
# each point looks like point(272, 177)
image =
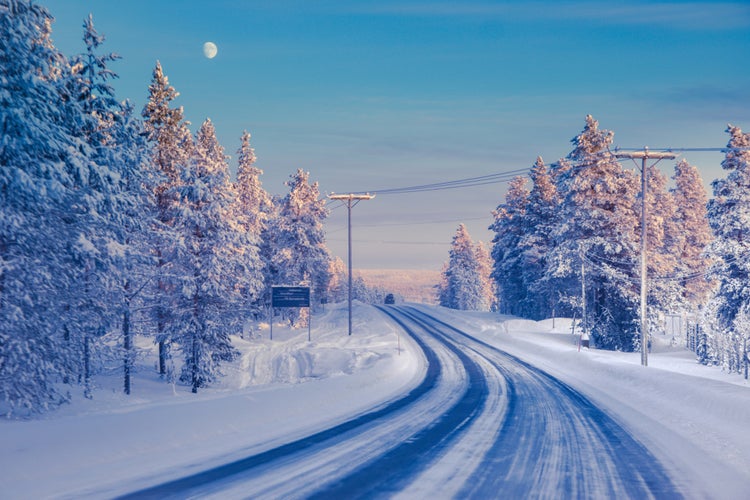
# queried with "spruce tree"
point(37, 229)
point(171, 146)
point(663, 237)
point(298, 250)
point(597, 228)
point(136, 218)
point(466, 276)
point(487, 300)
point(729, 217)
point(691, 217)
point(209, 261)
point(102, 202)
point(253, 207)
point(509, 226)
point(536, 242)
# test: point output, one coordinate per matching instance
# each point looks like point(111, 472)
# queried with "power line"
point(481, 180)
point(680, 150)
point(505, 176)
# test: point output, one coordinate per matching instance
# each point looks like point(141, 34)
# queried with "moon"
point(210, 50)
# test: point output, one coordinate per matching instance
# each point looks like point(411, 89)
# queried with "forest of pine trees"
point(575, 232)
point(115, 225)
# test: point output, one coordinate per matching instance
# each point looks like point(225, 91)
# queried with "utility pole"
point(351, 200)
point(644, 155)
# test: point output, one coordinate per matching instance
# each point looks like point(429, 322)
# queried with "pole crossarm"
point(644, 155)
point(349, 198)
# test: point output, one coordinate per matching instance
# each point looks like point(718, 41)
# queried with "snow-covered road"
point(546, 444)
point(481, 423)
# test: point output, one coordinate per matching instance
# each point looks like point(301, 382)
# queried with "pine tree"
point(443, 288)
point(466, 276)
point(253, 207)
point(299, 254)
point(695, 235)
point(536, 243)
point(254, 203)
point(171, 147)
point(209, 260)
point(486, 300)
point(509, 227)
point(37, 229)
point(597, 223)
point(459, 273)
point(338, 284)
point(131, 250)
point(663, 241)
point(101, 200)
point(729, 217)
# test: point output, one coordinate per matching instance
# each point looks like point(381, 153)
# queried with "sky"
point(376, 95)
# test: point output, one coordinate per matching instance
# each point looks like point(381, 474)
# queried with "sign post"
point(291, 296)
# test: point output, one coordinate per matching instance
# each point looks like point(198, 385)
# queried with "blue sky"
point(384, 94)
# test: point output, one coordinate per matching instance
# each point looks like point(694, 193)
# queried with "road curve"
point(481, 424)
point(554, 442)
point(415, 425)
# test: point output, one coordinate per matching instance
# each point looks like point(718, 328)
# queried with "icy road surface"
point(481, 424)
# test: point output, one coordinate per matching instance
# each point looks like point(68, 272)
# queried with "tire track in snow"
point(392, 472)
point(287, 471)
point(555, 443)
point(482, 424)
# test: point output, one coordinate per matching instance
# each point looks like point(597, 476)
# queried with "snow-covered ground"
point(694, 418)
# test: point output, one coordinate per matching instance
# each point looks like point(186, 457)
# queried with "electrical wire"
point(505, 176)
point(481, 180)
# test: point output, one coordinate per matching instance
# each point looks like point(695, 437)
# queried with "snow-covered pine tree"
point(442, 289)
point(135, 222)
point(458, 274)
point(297, 239)
point(254, 203)
point(209, 260)
point(171, 147)
point(729, 217)
point(101, 202)
point(536, 242)
point(598, 221)
point(338, 284)
point(253, 207)
point(487, 300)
point(509, 226)
point(691, 221)
point(465, 286)
point(663, 243)
point(125, 234)
point(37, 231)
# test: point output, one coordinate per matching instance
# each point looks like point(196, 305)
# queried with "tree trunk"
point(87, 367)
point(127, 345)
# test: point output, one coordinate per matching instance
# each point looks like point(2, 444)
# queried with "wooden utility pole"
point(644, 155)
point(351, 200)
